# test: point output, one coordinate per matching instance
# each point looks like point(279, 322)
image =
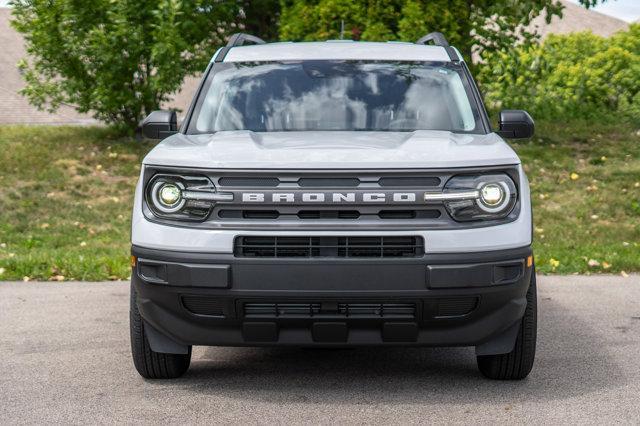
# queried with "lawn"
point(66, 195)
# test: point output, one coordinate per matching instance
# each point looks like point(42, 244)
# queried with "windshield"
point(335, 95)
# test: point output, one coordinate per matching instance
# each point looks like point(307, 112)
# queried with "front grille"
point(270, 199)
point(326, 200)
point(360, 247)
point(330, 309)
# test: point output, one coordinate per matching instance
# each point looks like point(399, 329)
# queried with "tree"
point(474, 26)
point(117, 60)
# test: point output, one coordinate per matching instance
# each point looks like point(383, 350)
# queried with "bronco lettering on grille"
point(329, 197)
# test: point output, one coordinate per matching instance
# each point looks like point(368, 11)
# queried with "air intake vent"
point(456, 307)
point(330, 310)
point(361, 247)
point(200, 305)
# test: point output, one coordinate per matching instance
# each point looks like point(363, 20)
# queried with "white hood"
point(332, 150)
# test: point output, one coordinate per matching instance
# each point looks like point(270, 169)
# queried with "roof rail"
point(439, 39)
point(240, 39)
point(237, 39)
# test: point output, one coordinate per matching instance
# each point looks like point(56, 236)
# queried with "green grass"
point(66, 194)
point(588, 222)
point(65, 202)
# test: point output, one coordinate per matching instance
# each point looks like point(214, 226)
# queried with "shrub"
point(579, 75)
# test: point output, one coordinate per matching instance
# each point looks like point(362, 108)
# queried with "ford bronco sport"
point(334, 194)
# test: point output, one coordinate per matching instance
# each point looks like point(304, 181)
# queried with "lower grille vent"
point(330, 310)
point(456, 307)
point(203, 305)
point(329, 247)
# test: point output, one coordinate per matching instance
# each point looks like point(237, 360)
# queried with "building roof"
point(14, 108)
point(338, 50)
point(578, 18)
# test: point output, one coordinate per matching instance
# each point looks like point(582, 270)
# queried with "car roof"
point(335, 50)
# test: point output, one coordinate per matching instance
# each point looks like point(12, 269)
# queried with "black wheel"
point(517, 364)
point(150, 364)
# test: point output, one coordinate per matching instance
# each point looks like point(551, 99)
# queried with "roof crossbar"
point(438, 39)
point(236, 40)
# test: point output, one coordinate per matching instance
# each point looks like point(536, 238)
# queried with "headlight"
point(492, 194)
point(170, 194)
point(478, 197)
point(166, 195)
point(182, 197)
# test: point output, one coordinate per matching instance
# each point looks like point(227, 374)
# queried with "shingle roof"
point(578, 18)
point(14, 108)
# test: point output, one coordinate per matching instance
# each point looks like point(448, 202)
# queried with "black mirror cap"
point(516, 124)
point(160, 124)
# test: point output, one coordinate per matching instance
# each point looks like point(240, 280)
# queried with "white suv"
point(334, 194)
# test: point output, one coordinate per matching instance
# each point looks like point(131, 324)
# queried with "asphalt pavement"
point(65, 358)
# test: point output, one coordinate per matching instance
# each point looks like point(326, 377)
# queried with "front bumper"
point(464, 299)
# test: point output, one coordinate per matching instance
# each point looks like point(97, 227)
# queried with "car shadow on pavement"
point(570, 361)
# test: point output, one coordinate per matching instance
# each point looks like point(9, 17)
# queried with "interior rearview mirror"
point(516, 124)
point(160, 124)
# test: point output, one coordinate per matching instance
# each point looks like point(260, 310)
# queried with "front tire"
point(150, 364)
point(517, 364)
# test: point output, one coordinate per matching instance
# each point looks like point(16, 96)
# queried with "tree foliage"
point(120, 59)
point(117, 60)
point(471, 25)
point(574, 75)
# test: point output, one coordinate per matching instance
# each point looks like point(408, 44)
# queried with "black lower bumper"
point(470, 299)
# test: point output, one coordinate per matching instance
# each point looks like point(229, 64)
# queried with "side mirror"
point(160, 124)
point(516, 124)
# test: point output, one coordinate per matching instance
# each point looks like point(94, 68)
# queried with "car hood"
point(331, 150)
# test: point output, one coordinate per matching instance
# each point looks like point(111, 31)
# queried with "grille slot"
point(262, 182)
point(336, 310)
point(248, 214)
point(328, 214)
point(397, 214)
point(328, 182)
point(204, 306)
point(284, 247)
point(426, 181)
point(260, 214)
point(455, 307)
point(409, 214)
